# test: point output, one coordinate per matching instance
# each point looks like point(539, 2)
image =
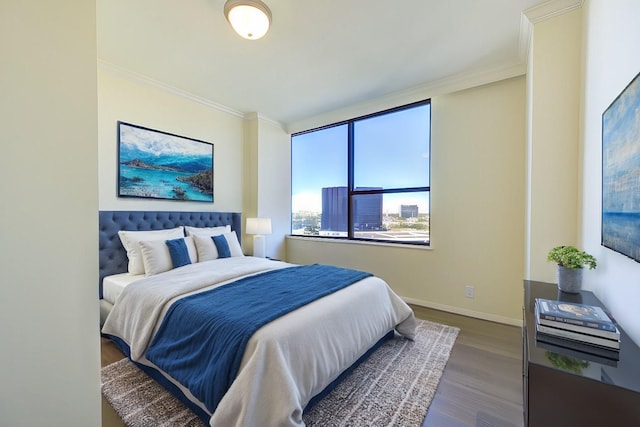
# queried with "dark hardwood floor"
point(481, 385)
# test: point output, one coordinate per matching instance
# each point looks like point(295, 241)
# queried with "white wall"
point(611, 61)
point(477, 211)
point(122, 98)
point(49, 321)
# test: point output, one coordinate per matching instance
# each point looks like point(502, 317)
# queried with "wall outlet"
point(469, 291)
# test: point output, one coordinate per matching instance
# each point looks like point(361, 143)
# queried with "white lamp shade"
point(249, 18)
point(260, 226)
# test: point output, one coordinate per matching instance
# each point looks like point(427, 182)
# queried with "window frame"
point(352, 193)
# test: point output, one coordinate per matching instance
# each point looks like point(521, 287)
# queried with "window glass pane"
point(392, 150)
point(390, 168)
point(396, 217)
point(318, 161)
point(334, 217)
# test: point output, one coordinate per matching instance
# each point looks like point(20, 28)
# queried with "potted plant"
point(567, 363)
point(571, 262)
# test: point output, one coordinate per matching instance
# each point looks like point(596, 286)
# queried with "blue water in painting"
point(157, 184)
point(143, 182)
point(621, 232)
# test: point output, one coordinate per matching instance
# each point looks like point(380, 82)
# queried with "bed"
point(266, 373)
point(112, 257)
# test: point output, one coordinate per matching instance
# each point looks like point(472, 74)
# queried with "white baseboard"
point(465, 312)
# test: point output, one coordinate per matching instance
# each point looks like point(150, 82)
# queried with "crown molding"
point(146, 80)
point(417, 93)
point(253, 116)
point(524, 41)
point(540, 13)
point(550, 9)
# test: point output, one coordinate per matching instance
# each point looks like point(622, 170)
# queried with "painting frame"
point(154, 164)
point(620, 230)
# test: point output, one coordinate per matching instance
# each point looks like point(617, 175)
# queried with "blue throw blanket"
point(202, 338)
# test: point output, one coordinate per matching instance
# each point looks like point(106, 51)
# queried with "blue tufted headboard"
point(113, 257)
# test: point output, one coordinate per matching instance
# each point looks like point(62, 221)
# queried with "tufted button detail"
point(112, 258)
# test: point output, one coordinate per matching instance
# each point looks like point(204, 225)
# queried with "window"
point(364, 179)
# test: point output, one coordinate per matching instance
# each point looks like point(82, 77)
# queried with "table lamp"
point(259, 227)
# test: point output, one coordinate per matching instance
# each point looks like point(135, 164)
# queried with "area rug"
point(394, 386)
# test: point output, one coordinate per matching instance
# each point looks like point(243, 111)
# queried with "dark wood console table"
point(600, 392)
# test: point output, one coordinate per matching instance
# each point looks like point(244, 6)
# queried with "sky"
point(391, 151)
point(157, 142)
point(621, 155)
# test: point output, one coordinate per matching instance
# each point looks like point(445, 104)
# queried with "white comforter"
point(286, 362)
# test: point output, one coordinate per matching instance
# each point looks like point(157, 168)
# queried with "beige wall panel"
point(49, 321)
point(553, 141)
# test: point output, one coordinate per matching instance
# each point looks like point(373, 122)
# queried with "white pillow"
point(157, 258)
point(207, 249)
point(130, 240)
point(234, 245)
point(207, 231)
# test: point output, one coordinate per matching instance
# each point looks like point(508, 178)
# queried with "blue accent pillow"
point(179, 253)
point(222, 246)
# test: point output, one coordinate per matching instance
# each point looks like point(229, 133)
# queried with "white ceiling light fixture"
point(249, 18)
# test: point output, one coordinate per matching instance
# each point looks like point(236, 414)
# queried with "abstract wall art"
point(621, 172)
point(160, 165)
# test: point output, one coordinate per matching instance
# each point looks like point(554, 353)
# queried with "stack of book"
point(580, 323)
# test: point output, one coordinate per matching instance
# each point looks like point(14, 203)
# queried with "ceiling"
point(319, 55)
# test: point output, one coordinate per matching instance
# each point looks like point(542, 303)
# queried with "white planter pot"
point(569, 279)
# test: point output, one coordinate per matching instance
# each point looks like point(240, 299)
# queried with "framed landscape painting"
point(159, 165)
point(621, 172)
